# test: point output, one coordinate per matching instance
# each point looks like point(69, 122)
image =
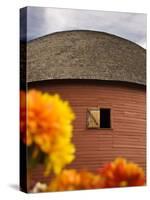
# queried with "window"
point(105, 118)
point(99, 118)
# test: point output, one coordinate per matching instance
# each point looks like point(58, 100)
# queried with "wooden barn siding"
point(95, 147)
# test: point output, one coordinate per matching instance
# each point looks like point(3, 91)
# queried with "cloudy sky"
point(43, 21)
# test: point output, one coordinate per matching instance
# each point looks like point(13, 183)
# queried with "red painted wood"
point(127, 137)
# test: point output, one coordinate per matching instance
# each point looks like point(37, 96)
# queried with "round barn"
point(103, 77)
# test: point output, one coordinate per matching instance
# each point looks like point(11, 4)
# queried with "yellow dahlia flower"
point(46, 124)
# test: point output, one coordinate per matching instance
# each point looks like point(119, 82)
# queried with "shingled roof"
point(85, 55)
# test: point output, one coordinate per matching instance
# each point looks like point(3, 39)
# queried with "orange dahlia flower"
point(121, 173)
point(72, 179)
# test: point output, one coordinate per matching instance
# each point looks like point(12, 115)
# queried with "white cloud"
point(42, 21)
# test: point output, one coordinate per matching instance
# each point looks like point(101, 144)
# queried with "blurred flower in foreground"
point(72, 179)
point(46, 128)
point(121, 173)
point(39, 187)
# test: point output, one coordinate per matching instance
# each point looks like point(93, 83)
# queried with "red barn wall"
point(126, 138)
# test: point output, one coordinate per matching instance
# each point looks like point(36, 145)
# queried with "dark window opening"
point(105, 118)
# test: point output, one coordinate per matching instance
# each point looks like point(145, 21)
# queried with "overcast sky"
point(43, 21)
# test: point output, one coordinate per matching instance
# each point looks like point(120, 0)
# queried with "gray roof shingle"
point(82, 54)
